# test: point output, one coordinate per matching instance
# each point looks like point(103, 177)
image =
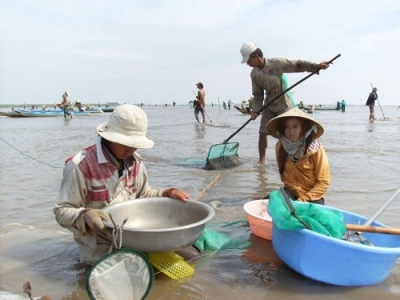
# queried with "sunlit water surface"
point(365, 171)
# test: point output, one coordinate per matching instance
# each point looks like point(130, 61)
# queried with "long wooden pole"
point(208, 186)
point(277, 97)
point(364, 228)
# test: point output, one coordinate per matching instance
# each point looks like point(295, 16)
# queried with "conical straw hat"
point(276, 124)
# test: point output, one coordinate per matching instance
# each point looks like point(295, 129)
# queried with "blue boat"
point(50, 113)
point(336, 261)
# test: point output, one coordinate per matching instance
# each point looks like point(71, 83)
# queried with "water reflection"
point(371, 126)
point(200, 130)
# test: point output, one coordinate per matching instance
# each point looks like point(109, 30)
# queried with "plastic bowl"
point(335, 261)
point(259, 219)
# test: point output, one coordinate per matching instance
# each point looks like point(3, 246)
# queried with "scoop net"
point(222, 156)
point(123, 274)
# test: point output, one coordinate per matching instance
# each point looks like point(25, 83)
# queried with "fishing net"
point(211, 240)
point(123, 274)
point(292, 215)
point(222, 156)
point(286, 86)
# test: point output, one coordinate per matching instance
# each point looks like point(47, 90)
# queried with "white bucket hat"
point(127, 126)
point(276, 124)
point(247, 49)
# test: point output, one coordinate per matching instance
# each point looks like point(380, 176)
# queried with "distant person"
point(224, 104)
point(343, 106)
point(200, 103)
point(107, 172)
point(65, 103)
point(229, 104)
point(373, 96)
point(338, 105)
point(266, 75)
point(302, 161)
point(79, 105)
point(174, 103)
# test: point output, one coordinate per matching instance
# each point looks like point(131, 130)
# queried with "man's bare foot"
point(261, 163)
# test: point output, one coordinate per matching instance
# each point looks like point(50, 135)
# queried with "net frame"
point(139, 262)
point(222, 156)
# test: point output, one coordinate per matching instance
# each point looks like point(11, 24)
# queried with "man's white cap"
point(127, 126)
point(247, 49)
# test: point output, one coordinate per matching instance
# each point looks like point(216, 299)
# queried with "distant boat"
point(311, 108)
point(245, 107)
point(18, 113)
point(12, 114)
point(242, 110)
point(325, 107)
point(109, 107)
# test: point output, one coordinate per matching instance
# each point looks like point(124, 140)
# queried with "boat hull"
point(11, 114)
point(325, 107)
point(336, 261)
point(243, 110)
point(109, 107)
point(50, 113)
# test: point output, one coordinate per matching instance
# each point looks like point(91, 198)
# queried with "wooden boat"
point(11, 114)
point(242, 110)
point(245, 107)
point(337, 261)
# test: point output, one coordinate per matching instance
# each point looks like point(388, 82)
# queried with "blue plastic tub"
point(336, 261)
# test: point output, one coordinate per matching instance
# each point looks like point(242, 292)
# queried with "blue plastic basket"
point(335, 261)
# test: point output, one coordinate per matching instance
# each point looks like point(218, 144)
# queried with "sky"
point(155, 51)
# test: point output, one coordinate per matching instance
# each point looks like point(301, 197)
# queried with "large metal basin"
point(160, 224)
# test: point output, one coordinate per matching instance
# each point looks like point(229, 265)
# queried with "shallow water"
point(364, 173)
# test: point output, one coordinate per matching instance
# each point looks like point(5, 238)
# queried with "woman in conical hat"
point(302, 161)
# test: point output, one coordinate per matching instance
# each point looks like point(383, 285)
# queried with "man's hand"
point(254, 115)
point(91, 221)
point(177, 194)
point(322, 66)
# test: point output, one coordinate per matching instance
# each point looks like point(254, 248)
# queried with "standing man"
point(65, 103)
point(266, 75)
point(373, 96)
point(200, 103)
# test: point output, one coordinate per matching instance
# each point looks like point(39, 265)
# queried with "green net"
point(286, 86)
point(222, 156)
point(211, 240)
point(305, 215)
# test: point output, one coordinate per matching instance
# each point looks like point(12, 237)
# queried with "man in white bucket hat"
point(107, 172)
point(268, 75)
